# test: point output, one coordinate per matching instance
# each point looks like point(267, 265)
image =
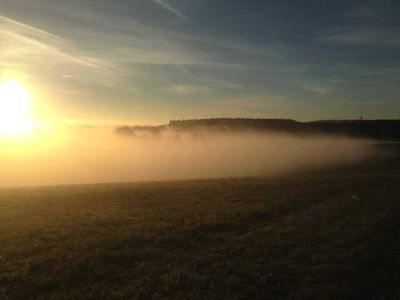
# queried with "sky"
point(149, 61)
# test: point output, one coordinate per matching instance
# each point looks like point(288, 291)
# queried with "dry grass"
point(332, 234)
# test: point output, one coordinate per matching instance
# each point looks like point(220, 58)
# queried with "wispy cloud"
point(316, 88)
point(362, 35)
point(76, 92)
point(362, 12)
point(147, 53)
point(93, 57)
point(23, 40)
point(19, 26)
point(124, 43)
point(186, 89)
point(172, 9)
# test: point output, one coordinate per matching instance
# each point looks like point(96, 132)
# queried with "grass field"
point(323, 235)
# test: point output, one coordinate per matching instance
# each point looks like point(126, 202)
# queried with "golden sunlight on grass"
point(16, 118)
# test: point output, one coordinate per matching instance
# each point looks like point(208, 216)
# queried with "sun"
point(15, 109)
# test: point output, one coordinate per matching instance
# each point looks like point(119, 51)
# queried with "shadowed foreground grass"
point(332, 234)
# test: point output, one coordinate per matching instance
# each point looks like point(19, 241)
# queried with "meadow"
point(322, 234)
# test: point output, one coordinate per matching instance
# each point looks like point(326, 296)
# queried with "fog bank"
point(89, 155)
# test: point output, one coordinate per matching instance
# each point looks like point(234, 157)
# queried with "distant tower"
point(361, 117)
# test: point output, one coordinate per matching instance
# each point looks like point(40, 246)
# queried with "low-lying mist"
point(88, 155)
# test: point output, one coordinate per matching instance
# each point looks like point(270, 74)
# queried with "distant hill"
point(385, 130)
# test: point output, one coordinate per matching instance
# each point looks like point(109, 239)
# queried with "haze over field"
point(121, 62)
point(93, 154)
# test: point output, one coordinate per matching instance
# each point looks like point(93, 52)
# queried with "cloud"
point(362, 12)
point(21, 40)
point(75, 92)
point(12, 24)
point(186, 89)
point(139, 54)
point(362, 36)
point(120, 45)
point(167, 6)
point(316, 88)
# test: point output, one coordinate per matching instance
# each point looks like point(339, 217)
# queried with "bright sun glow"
point(15, 109)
